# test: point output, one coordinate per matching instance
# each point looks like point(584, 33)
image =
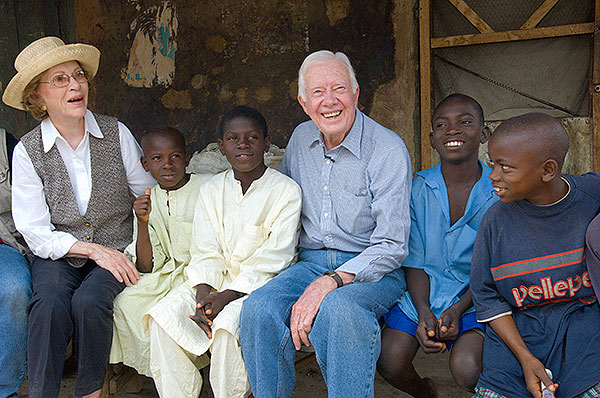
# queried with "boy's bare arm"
point(143, 247)
point(533, 370)
point(417, 282)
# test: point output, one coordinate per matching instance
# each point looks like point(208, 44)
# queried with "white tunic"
point(239, 242)
point(169, 228)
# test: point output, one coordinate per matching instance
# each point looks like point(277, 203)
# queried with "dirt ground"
point(309, 383)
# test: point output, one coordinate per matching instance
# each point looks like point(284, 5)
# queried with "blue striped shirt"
point(355, 197)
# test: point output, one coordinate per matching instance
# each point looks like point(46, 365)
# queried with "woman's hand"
point(110, 259)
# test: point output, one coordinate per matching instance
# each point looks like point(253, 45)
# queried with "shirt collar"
point(50, 133)
point(481, 192)
point(352, 141)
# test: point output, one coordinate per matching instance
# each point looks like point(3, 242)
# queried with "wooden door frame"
point(487, 35)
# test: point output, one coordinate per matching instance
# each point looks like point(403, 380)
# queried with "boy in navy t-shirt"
point(529, 279)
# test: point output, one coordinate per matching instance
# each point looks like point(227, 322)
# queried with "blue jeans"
point(346, 332)
point(15, 292)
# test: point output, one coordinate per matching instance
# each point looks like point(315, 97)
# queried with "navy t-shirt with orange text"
point(529, 260)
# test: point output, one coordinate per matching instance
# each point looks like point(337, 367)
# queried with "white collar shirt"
point(30, 211)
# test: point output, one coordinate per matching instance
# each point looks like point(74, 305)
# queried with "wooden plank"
point(471, 16)
point(539, 14)
point(595, 91)
point(514, 35)
point(426, 88)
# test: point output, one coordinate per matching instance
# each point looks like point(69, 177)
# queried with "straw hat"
point(42, 55)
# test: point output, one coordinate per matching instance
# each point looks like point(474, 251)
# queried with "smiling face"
point(165, 158)
point(518, 171)
point(330, 102)
point(244, 144)
point(457, 131)
point(65, 103)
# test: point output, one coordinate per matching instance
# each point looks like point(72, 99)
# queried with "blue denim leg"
point(264, 329)
point(346, 334)
point(15, 292)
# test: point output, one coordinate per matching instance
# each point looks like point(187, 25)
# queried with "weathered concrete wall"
point(184, 63)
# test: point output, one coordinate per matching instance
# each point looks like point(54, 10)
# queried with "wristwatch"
point(336, 277)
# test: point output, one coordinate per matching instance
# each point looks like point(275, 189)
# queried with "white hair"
point(321, 57)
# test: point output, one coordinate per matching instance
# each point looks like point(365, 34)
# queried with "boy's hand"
point(200, 316)
point(534, 372)
point(214, 302)
point(448, 324)
point(426, 333)
point(209, 306)
point(142, 207)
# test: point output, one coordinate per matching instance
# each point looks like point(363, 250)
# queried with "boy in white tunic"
point(161, 246)
point(245, 231)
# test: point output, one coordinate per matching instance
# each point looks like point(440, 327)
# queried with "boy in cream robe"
point(245, 231)
point(161, 248)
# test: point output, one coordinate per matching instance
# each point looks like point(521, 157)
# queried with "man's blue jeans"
point(346, 332)
point(15, 292)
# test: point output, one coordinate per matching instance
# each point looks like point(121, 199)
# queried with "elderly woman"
point(72, 177)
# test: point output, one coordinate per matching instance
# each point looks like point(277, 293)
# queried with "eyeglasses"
point(63, 80)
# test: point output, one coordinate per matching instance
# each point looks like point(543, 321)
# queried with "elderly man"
point(355, 179)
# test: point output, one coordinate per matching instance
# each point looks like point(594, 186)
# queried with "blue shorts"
point(398, 320)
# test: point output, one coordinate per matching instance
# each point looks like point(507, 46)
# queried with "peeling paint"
point(293, 90)
point(224, 95)
point(263, 94)
point(217, 70)
point(199, 81)
point(241, 95)
point(152, 54)
point(174, 99)
point(337, 10)
point(216, 43)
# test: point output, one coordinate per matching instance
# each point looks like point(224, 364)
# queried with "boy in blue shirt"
point(448, 201)
point(529, 279)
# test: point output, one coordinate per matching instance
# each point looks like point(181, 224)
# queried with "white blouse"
point(29, 208)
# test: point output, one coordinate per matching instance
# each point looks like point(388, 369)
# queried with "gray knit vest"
point(109, 218)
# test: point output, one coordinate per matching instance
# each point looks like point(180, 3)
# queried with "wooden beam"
point(514, 35)
point(426, 88)
point(595, 91)
point(471, 16)
point(539, 14)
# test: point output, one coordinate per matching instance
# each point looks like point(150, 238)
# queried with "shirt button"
point(87, 224)
point(328, 161)
point(325, 188)
point(328, 238)
point(326, 214)
point(88, 237)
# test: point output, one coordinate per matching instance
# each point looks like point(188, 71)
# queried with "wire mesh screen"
point(554, 70)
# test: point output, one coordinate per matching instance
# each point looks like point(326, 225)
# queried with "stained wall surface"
point(184, 63)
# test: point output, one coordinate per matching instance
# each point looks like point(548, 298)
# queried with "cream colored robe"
point(170, 228)
point(239, 242)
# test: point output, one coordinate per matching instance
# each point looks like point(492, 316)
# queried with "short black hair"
point(164, 131)
point(247, 112)
point(541, 133)
point(451, 97)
